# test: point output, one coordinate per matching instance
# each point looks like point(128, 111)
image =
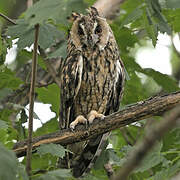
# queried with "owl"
point(92, 81)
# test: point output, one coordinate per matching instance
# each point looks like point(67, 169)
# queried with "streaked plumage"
point(91, 82)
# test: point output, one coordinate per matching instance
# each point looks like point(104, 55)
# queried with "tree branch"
point(141, 110)
point(31, 101)
point(108, 7)
point(7, 18)
point(142, 148)
point(29, 3)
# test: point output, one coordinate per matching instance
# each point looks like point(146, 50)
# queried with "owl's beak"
point(92, 40)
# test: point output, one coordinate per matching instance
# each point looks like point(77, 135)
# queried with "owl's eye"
point(98, 29)
point(80, 31)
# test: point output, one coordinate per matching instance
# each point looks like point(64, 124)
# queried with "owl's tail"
point(90, 154)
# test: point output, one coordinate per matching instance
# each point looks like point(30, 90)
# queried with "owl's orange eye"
point(80, 31)
point(98, 29)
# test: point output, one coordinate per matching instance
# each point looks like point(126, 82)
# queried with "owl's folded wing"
point(70, 84)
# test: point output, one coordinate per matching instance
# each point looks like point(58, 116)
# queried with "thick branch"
point(108, 7)
point(141, 110)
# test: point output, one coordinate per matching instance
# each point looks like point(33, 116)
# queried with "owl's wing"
point(118, 86)
point(115, 99)
point(70, 83)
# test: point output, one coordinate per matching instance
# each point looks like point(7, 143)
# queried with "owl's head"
point(89, 31)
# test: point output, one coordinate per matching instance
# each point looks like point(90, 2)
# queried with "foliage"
point(53, 149)
point(138, 23)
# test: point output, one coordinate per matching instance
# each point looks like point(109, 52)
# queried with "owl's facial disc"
point(89, 32)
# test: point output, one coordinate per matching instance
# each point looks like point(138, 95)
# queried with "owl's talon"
point(93, 115)
point(79, 120)
point(102, 117)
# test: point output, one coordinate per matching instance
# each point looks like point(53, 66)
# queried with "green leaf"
point(61, 51)
point(35, 116)
point(155, 11)
point(130, 5)
point(26, 39)
point(151, 27)
point(4, 92)
point(171, 140)
point(166, 173)
point(56, 175)
point(129, 96)
point(91, 177)
point(90, 2)
point(19, 29)
point(57, 10)
point(8, 165)
point(53, 149)
point(22, 175)
point(3, 125)
point(47, 34)
point(50, 95)
point(42, 162)
point(124, 36)
point(23, 32)
point(173, 17)
point(3, 52)
point(8, 79)
point(173, 4)
point(117, 140)
point(102, 159)
point(165, 81)
point(134, 15)
point(65, 173)
point(113, 157)
point(23, 116)
point(152, 159)
point(41, 63)
point(48, 127)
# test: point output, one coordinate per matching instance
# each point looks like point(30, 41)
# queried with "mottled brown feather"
point(92, 79)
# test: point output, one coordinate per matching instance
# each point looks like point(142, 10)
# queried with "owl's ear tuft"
point(93, 11)
point(74, 16)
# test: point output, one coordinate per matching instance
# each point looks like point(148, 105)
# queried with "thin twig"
point(142, 148)
point(138, 111)
point(7, 18)
point(31, 101)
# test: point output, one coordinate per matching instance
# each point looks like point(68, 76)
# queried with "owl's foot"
point(93, 115)
point(80, 119)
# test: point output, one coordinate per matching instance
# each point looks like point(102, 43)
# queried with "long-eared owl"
point(92, 82)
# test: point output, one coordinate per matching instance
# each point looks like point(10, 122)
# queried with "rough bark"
point(141, 110)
